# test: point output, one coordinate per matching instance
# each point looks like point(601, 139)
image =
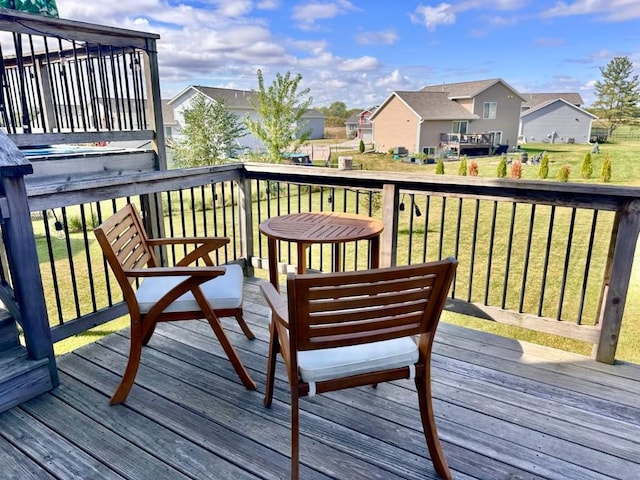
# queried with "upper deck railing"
point(69, 82)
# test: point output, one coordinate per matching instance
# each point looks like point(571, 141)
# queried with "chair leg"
point(423, 386)
point(295, 435)
point(135, 353)
point(274, 348)
point(148, 334)
point(243, 325)
point(231, 353)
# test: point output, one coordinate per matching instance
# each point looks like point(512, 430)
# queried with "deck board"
point(505, 410)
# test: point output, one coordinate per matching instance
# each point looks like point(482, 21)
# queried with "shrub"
point(516, 169)
point(543, 171)
point(587, 166)
point(563, 173)
point(462, 169)
point(605, 171)
point(361, 146)
point(370, 202)
point(502, 167)
point(473, 168)
point(74, 223)
point(440, 167)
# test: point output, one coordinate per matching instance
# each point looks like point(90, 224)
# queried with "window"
point(430, 151)
point(489, 111)
point(460, 126)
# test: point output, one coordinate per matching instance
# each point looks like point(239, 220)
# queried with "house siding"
point(507, 113)
point(430, 132)
point(566, 121)
point(395, 126)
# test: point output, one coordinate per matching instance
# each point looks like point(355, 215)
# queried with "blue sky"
point(360, 51)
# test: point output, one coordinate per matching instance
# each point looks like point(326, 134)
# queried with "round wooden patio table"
point(305, 229)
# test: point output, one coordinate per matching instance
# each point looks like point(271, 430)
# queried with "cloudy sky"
point(358, 51)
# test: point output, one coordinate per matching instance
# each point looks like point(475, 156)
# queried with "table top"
point(321, 227)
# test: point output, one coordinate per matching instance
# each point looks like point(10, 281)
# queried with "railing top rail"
point(604, 197)
point(51, 196)
point(73, 30)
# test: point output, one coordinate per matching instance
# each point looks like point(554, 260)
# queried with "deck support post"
point(245, 207)
point(22, 255)
point(390, 214)
point(616, 282)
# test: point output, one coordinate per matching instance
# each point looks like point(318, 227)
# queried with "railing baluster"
point(587, 266)
point(507, 269)
point(545, 268)
point(490, 255)
point(527, 256)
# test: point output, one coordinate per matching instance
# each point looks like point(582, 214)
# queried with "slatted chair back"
point(124, 242)
point(350, 308)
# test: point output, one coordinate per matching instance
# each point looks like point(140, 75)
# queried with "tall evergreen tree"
point(280, 108)
point(210, 133)
point(618, 93)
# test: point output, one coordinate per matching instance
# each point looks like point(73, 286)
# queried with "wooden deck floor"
point(505, 410)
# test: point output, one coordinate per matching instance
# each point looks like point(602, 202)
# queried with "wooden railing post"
point(615, 290)
point(390, 215)
point(245, 207)
point(22, 254)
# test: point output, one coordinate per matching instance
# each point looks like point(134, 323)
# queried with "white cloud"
point(608, 10)
point(307, 14)
point(394, 81)
point(359, 64)
point(432, 17)
point(382, 37)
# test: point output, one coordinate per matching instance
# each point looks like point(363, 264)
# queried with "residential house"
point(359, 125)
point(467, 117)
point(237, 101)
point(555, 118)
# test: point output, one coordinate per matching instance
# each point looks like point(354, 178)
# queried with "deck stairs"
point(21, 378)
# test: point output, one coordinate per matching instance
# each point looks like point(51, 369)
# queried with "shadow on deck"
point(505, 410)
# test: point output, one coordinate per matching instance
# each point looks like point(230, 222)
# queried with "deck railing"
point(69, 82)
point(550, 257)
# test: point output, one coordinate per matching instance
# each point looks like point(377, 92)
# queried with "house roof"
point(430, 106)
point(550, 102)
point(353, 118)
point(232, 98)
point(532, 100)
point(468, 89)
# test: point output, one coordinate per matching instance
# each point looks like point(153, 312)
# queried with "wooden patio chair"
point(166, 294)
point(349, 329)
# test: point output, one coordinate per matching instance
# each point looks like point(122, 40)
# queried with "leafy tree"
point(605, 171)
point(462, 168)
point(543, 171)
point(502, 167)
point(618, 94)
point(586, 170)
point(280, 108)
point(440, 167)
point(336, 109)
point(210, 133)
point(361, 146)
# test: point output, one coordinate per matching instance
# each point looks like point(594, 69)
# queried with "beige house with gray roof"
point(471, 116)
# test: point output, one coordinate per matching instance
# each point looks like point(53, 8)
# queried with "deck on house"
point(504, 409)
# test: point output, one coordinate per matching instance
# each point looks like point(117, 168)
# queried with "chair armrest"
point(206, 245)
point(277, 304)
point(210, 272)
point(217, 241)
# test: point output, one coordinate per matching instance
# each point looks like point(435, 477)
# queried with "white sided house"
point(236, 101)
point(555, 118)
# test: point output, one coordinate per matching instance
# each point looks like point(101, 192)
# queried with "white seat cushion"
point(339, 362)
point(224, 291)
